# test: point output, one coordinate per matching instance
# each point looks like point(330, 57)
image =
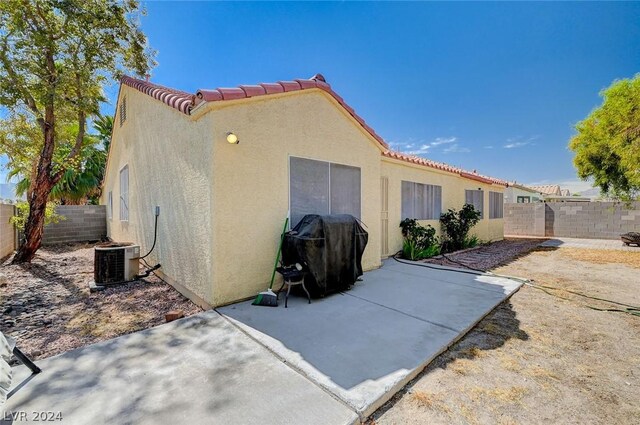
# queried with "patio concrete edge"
point(370, 410)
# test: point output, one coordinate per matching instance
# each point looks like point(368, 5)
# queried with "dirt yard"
point(541, 358)
point(47, 306)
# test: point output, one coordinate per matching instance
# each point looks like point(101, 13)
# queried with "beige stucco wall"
point(7, 231)
point(223, 206)
point(453, 196)
point(170, 165)
point(251, 180)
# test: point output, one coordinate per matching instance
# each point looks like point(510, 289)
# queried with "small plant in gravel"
point(456, 226)
point(420, 241)
point(472, 241)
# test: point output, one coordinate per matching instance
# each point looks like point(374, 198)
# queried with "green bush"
point(420, 242)
point(456, 226)
point(20, 219)
point(471, 241)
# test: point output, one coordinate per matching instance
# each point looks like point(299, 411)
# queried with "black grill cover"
point(330, 247)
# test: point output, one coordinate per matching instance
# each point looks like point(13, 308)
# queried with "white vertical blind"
point(319, 187)
point(496, 205)
point(475, 198)
point(421, 201)
point(345, 190)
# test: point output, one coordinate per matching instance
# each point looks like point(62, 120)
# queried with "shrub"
point(420, 242)
point(456, 226)
point(20, 219)
point(471, 241)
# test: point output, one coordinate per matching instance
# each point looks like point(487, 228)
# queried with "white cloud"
point(519, 141)
point(488, 147)
point(456, 148)
point(443, 141)
point(413, 146)
point(515, 145)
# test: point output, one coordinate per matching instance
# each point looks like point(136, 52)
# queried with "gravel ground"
point(47, 306)
point(540, 358)
point(486, 257)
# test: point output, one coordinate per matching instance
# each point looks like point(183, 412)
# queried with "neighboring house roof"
point(522, 187)
point(186, 102)
point(565, 192)
point(548, 189)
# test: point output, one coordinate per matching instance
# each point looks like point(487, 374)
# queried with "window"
point(123, 110)
point(523, 199)
point(421, 201)
point(496, 203)
point(110, 205)
point(475, 198)
point(318, 187)
point(124, 194)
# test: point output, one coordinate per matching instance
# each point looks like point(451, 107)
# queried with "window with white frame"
point(421, 201)
point(110, 205)
point(475, 198)
point(523, 199)
point(496, 205)
point(124, 193)
point(319, 187)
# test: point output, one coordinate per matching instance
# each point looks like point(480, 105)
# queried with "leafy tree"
point(55, 55)
point(20, 219)
point(607, 143)
point(78, 184)
point(456, 226)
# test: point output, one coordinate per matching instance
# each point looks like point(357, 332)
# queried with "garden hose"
point(628, 308)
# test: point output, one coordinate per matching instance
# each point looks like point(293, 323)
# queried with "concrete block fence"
point(593, 220)
point(7, 231)
point(82, 223)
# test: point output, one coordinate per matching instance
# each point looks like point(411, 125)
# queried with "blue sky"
point(489, 86)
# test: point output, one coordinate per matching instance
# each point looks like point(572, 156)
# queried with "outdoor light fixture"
point(232, 138)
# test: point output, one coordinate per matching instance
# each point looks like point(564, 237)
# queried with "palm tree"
point(81, 184)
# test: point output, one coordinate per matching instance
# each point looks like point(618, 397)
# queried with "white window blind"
point(475, 198)
point(124, 194)
point(110, 205)
point(319, 187)
point(496, 201)
point(421, 201)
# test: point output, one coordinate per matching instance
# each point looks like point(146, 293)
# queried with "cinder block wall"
point(7, 231)
point(594, 220)
point(524, 219)
point(82, 223)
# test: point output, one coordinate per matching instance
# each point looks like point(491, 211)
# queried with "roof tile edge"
point(186, 102)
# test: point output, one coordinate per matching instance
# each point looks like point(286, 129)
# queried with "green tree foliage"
point(456, 226)
point(607, 143)
point(20, 219)
point(78, 185)
point(55, 56)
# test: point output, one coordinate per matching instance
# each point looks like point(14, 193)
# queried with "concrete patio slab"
point(198, 370)
point(363, 345)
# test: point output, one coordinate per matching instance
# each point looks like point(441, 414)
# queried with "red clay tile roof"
point(182, 101)
point(444, 167)
point(186, 102)
point(548, 189)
